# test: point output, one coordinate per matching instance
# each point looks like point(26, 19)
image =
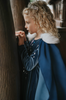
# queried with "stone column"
point(9, 72)
point(63, 24)
point(17, 7)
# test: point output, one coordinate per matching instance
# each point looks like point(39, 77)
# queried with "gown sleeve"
point(31, 61)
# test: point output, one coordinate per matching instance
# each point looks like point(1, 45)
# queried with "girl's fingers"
point(16, 34)
point(20, 36)
point(19, 32)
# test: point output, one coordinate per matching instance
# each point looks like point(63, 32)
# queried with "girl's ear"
point(38, 26)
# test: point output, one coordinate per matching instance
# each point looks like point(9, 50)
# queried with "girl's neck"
point(38, 35)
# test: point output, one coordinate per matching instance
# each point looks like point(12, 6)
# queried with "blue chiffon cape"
point(53, 70)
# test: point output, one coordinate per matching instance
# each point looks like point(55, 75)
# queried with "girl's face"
point(30, 24)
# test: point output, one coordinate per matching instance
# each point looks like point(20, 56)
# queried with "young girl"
point(47, 72)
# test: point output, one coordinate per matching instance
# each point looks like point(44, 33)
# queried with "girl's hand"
point(21, 37)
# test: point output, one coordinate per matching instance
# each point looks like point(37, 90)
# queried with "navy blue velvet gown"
point(47, 72)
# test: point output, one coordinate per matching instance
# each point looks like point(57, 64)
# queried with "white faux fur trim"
point(46, 37)
point(50, 39)
point(31, 36)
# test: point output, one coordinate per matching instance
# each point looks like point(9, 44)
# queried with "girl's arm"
point(31, 61)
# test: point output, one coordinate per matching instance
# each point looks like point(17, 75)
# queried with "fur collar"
point(46, 37)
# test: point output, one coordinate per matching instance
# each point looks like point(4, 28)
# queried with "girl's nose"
point(25, 26)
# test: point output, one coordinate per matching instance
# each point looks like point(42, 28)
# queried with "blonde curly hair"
point(42, 16)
